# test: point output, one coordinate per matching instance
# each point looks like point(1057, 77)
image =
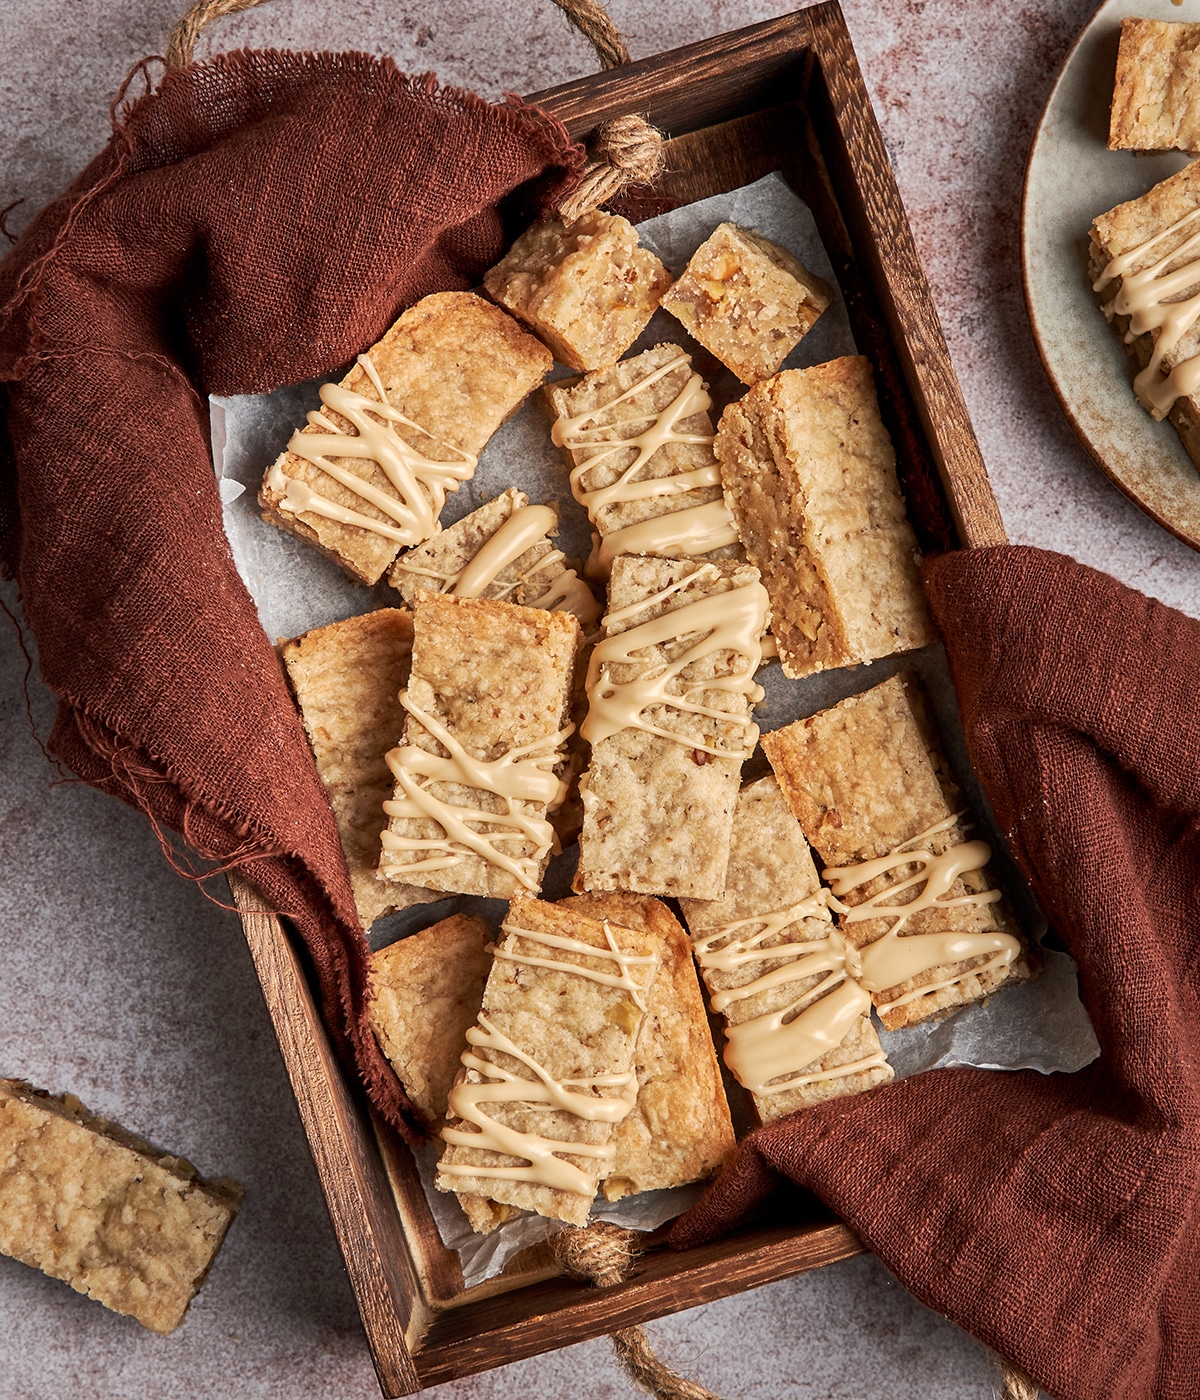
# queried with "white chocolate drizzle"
point(562, 590)
point(584, 1098)
point(612, 953)
point(420, 482)
point(769, 1053)
point(676, 534)
point(731, 621)
point(522, 774)
point(1148, 298)
point(893, 959)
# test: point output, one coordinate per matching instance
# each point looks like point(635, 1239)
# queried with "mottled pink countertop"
point(120, 983)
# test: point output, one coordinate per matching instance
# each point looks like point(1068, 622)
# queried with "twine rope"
point(626, 150)
point(1014, 1384)
point(603, 1255)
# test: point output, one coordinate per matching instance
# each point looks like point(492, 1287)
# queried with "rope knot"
point(626, 150)
point(602, 1254)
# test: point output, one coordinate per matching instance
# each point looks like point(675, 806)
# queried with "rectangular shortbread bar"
point(659, 793)
point(769, 903)
point(586, 288)
point(562, 1012)
point(487, 706)
point(1160, 221)
point(747, 300)
point(347, 678)
point(659, 405)
point(426, 991)
point(501, 550)
point(104, 1211)
point(810, 476)
point(1156, 95)
point(865, 779)
point(453, 368)
point(680, 1130)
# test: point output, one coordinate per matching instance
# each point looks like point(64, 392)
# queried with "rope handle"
point(626, 150)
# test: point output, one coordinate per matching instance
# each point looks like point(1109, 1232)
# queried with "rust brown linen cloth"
point(1056, 1218)
point(256, 222)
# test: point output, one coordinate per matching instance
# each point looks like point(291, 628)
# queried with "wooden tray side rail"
point(785, 95)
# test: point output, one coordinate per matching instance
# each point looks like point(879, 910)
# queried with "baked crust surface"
point(680, 1130)
point(586, 288)
point(771, 868)
point(496, 677)
point(1156, 93)
point(426, 992)
point(658, 811)
point(747, 300)
point(1129, 226)
point(88, 1203)
point(810, 477)
point(622, 402)
point(347, 678)
point(865, 778)
point(453, 364)
point(577, 1029)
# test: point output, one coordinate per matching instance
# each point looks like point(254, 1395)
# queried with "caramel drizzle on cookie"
point(897, 957)
point(690, 531)
point(562, 590)
point(730, 621)
point(590, 1098)
point(522, 777)
point(1150, 298)
point(419, 482)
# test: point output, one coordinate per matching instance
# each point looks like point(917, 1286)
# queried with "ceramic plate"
point(1072, 177)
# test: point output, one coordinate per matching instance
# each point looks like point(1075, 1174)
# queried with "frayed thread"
point(4, 213)
point(37, 738)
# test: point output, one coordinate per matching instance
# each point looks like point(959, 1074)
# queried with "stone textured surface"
point(119, 982)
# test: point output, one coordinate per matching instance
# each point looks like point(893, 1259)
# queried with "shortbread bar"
point(680, 1130)
point(419, 407)
point(426, 991)
point(347, 678)
point(1158, 228)
point(867, 782)
point(777, 970)
point(478, 766)
point(561, 1014)
point(1156, 95)
point(639, 441)
point(810, 476)
point(90, 1204)
point(747, 300)
point(670, 692)
point(587, 288)
point(501, 550)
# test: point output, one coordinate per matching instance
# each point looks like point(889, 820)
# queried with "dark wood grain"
point(786, 95)
point(543, 1316)
point(853, 148)
point(352, 1178)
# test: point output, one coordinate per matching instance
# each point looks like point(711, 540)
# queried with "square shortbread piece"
point(586, 288)
point(747, 300)
point(347, 679)
point(1156, 94)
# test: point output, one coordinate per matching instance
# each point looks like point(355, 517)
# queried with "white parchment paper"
point(1039, 1025)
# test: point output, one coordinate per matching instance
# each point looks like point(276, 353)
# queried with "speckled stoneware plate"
point(1071, 177)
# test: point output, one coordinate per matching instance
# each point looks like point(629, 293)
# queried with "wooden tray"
point(786, 95)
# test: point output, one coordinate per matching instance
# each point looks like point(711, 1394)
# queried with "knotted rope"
point(604, 1255)
point(626, 150)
